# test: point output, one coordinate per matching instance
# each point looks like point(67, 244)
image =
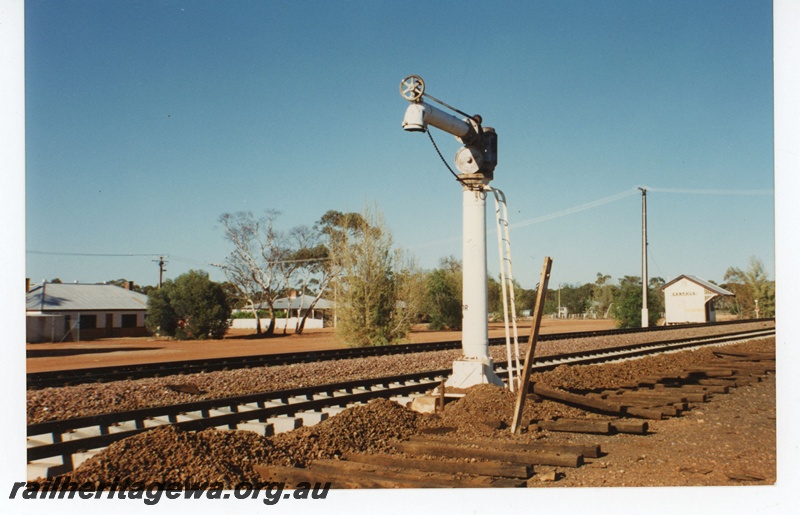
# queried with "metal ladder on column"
point(507, 288)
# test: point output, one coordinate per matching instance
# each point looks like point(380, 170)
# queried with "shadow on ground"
point(51, 353)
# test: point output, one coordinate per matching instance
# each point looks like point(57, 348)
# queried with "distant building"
point(297, 306)
point(688, 299)
point(294, 307)
point(56, 312)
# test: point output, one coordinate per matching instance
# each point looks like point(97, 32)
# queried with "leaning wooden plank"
point(588, 451)
point(475, 468)
point(576, 425)
point(524, 381)
point(580, 401)
point(528, 458)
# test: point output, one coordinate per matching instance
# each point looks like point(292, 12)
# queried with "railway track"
point(115, 373)
point(54, 447)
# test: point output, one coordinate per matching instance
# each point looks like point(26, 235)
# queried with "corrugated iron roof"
point(705, 284)
point(83, 297)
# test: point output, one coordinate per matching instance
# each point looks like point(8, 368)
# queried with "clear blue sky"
point(146, 120)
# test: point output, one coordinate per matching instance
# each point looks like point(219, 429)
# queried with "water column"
point(475, 365)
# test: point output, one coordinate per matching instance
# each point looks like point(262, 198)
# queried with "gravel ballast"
point(727, 441)
point(92, 399)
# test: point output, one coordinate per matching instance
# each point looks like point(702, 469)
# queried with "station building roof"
point(713, 288)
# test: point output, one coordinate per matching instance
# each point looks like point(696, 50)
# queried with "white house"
point(688, 299)
point(72, 311)
point(295, 308)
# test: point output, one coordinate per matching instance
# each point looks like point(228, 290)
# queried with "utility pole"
point(558, 313)
point(645, 315)
point(161, 262)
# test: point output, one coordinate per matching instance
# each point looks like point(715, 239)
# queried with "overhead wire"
point(89, 254)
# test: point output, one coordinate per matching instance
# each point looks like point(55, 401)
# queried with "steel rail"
point(69, 377)
point(312, 398)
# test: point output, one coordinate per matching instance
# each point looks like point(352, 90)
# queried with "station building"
point(688, 299)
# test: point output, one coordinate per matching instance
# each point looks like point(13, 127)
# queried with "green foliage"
point(752, 288)
point(603, 294)
point(627, 308)
point(576, 298)
point(190, 307)
point(161, 317)
point(379, 292)
point(523, 299)
point(443, 298)
point(495, 293)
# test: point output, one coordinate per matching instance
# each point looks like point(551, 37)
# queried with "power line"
point(576, 209)
point(689, 191)
point(88, 254)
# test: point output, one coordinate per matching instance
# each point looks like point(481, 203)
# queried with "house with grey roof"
point(73, 311)
point(689, 299)
point(294, 307)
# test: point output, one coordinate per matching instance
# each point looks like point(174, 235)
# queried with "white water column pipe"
point(475, 365)
point(475, 308)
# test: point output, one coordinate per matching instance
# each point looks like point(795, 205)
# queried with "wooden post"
point(537, 322)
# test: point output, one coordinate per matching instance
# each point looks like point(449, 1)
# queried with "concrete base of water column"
point(469, 372)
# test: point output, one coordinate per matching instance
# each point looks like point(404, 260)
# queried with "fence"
point(280, 323)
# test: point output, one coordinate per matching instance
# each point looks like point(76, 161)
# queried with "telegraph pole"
point(645, 315)
point(161, 262)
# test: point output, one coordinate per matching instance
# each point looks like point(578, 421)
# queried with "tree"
point(752, 289)
point(379, 291)
point(190, 307)
point(603, 294)
point(627, 308)
point(443, 298)
point(494, 292)
point(311, 256)
point(260, 265)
